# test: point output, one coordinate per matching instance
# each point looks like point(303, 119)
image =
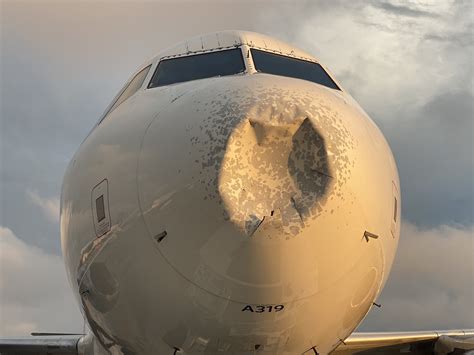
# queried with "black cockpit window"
point(199, 66)
point(271, 63)
point(131, 88)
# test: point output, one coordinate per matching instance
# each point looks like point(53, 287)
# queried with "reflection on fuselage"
point(239, 209)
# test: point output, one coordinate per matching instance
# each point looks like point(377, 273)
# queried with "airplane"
point(232, 199)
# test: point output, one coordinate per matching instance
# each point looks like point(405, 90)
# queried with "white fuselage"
point(244, 213)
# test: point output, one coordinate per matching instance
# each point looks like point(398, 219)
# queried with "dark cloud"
point(460, 32)
point(431, 282)
point(401, 10)
point(434, 150)
point(34, 292)
point(460, 38)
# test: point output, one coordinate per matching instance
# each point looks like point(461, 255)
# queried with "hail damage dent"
point(277, 155)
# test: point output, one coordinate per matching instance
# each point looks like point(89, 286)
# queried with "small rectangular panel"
point(100, 208)
point(99, 205)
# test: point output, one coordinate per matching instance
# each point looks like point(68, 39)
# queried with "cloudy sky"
point(409, 64)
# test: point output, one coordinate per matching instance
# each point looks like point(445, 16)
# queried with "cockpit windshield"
point(199, 66)
point(276, 64)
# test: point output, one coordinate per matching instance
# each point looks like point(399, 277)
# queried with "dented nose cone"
point(277, 169)
point(258, 157)
point(274, 174)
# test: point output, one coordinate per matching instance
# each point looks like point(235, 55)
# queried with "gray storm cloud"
point(409, 64)
point(34, 292)
point(431, 285)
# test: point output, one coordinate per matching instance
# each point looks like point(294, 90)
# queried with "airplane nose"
point(232, 176)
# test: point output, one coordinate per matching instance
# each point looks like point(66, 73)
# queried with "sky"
point(409, 64)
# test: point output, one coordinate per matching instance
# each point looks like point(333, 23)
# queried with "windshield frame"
point(335, 86)
point(244, 70)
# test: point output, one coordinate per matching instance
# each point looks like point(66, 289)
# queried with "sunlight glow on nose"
point(274, 171)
